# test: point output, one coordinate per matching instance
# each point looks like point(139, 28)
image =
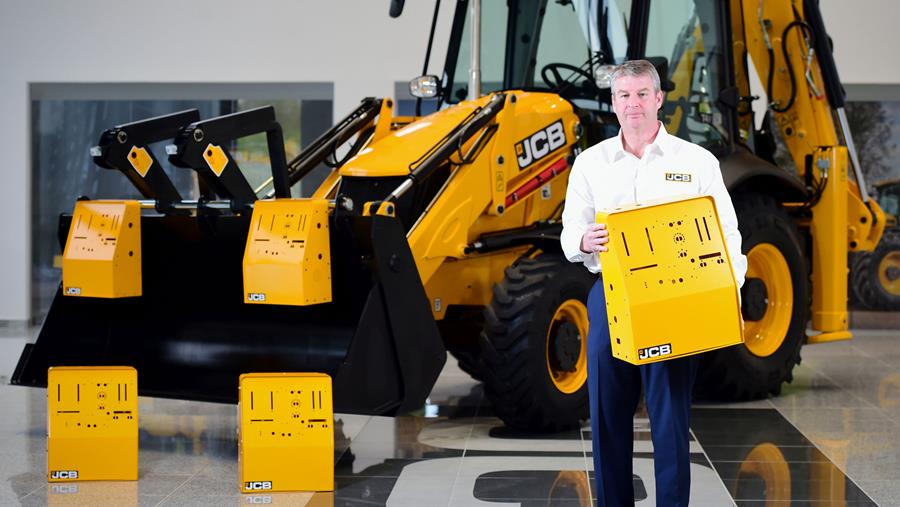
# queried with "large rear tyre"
point(875, 278)
point(534, 345)
point(775, 307)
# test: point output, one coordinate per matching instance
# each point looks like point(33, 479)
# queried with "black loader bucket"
point(190, 334)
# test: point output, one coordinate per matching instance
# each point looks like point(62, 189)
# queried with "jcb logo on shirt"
point(682, 177)
point(540, 144)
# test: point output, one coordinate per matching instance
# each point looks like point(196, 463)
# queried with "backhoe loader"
point(441, 232)
point(875, 276)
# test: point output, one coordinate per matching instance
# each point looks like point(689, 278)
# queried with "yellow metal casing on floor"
point(286, 440)
point(102, 257)
point(670, 290)
point(287, 260)
point(92, 430)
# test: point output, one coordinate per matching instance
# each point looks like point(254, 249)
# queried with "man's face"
point(635, 102)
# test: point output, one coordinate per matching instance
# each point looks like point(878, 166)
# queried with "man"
point(628, 168)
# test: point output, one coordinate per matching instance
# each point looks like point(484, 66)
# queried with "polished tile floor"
point(831, 439)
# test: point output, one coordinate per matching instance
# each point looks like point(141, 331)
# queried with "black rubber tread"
point(513, 344)
point(461, 328)
point(734, 373)
point(864, 280)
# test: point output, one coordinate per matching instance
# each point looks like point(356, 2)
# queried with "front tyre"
point(534, 345)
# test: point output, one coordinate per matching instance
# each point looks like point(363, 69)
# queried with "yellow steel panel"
point(102, 257)
point(286, 440)
point(287, 260)
point(670, 290)
point(92, 432)
point(140, 160)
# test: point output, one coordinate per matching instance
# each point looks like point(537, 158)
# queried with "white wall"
point(350, 42)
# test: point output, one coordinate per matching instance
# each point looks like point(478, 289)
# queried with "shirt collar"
point(659, 145)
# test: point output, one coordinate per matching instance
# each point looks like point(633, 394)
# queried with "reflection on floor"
point(828, 440)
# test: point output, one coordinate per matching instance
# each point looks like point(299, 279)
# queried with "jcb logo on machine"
point(258, 485)
point(73, 291)
point(64, 474)
point(655, 351)
point(540, 144)
point(682, 177)
point(256, 297)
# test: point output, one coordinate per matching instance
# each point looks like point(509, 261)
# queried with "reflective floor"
point(830, 439)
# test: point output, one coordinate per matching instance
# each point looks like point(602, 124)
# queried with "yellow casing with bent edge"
point(102, 257)
point(286, 440)
point(92, 429)
point(670, 290)
point(287, 259)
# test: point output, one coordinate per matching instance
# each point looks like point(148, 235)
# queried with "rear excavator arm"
point(788, 47)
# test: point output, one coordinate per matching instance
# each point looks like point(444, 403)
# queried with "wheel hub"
point(892, 273)
point(755, 298)
point(566, 347)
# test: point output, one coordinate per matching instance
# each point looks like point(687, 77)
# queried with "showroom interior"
point(432, 289)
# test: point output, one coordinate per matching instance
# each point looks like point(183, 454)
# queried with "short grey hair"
point(636, 68)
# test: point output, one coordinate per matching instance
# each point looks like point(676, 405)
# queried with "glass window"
point(687, 35)
point(494, 15)
point(561, 45)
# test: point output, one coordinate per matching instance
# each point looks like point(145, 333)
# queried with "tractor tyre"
point(460, 328)
point(875, 278)
point(534, 345)
point(775, 307)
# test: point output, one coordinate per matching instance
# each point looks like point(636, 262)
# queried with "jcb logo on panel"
point(256, 297)
point(64, 474)
point(258, 485)
point(540, 144)
point(655, 351)
point(682, 177)
point(73, 291)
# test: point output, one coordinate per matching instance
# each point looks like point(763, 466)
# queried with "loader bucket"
point(190, 336)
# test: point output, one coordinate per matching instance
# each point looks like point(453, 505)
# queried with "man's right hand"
point(595, 239)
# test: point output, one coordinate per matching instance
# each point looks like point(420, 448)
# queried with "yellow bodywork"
point(467, 206)
point(667, 263)
point(286, 440)
point(287, 259)
point(102, 257)
point(92, 429)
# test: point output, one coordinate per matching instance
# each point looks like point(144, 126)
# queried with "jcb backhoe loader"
point(875, 276)
point(442, 231)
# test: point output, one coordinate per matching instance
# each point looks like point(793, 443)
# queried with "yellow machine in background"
point(286, 440)
point(668, 281)
point(92, 434)
point(443, 228)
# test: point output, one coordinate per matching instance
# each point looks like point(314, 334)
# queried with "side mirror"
point(424, 87)
point(396, 8)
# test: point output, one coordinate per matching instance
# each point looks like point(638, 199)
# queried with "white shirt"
point(606, 176)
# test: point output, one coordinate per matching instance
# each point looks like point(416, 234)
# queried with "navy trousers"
point(615, 389)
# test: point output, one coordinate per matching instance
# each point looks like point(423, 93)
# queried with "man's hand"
point(595, 238)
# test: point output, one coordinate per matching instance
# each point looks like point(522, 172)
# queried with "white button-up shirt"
point(606, 176)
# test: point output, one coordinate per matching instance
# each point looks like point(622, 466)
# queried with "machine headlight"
point(603, 75)
point(424, 87)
